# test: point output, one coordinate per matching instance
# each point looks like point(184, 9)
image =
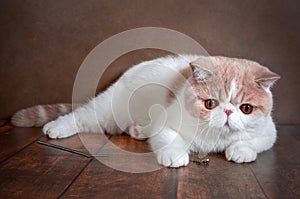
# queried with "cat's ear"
point(266, 78)
point(201, 72)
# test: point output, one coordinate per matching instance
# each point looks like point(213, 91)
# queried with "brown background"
point(44, 42)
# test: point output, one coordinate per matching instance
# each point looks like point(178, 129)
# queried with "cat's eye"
point(210, 103)
point(246, 108)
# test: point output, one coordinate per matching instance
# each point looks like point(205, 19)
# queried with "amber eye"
point(246, 108)
point(210, 103)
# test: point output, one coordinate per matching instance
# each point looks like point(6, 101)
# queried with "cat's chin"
point(220, 131)
point(227, 129)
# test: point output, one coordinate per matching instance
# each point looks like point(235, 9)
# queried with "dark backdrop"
point(43, 42)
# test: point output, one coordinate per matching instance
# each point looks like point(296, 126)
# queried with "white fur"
point(232, 93)
point(173, 132)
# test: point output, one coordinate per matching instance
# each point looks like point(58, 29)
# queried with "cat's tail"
point(39, 115)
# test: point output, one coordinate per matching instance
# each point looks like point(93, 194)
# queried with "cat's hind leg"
point(137, 132)
point(94, 117)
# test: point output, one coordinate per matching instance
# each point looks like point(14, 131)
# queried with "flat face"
point(230, 94)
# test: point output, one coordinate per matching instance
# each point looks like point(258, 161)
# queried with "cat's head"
point(230, 94)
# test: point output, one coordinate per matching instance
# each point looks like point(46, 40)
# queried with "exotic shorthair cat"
point(182, 104)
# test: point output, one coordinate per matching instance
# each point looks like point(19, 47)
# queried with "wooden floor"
point(31, 169)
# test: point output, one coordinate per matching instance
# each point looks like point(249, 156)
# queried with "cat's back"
point(161, 70)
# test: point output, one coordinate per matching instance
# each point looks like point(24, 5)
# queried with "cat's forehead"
point(234, 79)
point(234, 68)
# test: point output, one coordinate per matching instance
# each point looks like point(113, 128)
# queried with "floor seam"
point(260, 186)
point(5, 123)
point(176, 185)
point(13, 154)
point(75, 178)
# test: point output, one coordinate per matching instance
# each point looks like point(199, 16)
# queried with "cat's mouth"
point(230, 127)
point(227, 126)
point(226, 123)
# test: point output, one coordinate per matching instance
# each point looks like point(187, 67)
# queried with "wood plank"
point(128, 155)
point(16, 139)
point(278, 170)
point(125, 142)
point(6, 127)
point(218, 179)
point(39, 172)
point(100, 181)
point(285, 151)
point(280, 182)
point(3, 122)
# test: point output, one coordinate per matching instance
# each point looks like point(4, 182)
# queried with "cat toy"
point(71, 150)
point(203, 161)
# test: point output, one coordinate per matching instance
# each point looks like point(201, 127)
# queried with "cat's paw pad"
point(136, 132)
point(173, 158)
point(59, 129)
point(240, 154)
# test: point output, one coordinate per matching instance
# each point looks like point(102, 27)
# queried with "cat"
point(182, 104)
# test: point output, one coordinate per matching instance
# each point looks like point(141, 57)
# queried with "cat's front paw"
point(240, 153)
point(172, 158)
point(59, 128)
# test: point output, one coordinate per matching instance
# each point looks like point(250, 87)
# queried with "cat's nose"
point(228, 112)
